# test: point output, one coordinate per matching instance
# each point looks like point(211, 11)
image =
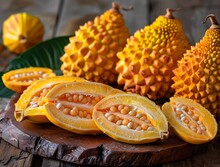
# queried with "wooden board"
point(100, 150)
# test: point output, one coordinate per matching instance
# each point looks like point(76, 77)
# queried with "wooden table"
point(63, 17)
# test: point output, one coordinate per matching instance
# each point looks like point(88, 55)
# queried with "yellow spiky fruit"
point(146, 63)
point(91, 53)
point(198, 73)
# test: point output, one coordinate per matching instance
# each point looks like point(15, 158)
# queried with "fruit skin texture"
point(198, 73)
point(137, 103)
point(91, 53)
point(77, 123)
point(181, 129)
point(146, 63)
point(19, 79)
point(33, 110)
point(22, 31)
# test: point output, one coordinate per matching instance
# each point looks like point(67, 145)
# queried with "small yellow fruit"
point(22, 31)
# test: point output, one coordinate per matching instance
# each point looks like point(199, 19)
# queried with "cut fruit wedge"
point(30, 105)
point(191, 121)
point(18, 80)
point(130, 118)
point(70, 105)
point(36, 115)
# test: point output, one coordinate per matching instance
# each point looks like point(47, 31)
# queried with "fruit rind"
point(34, 115)
point(76, 125)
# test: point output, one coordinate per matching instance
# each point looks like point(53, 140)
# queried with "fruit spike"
point(145, 65)
point(91, 53)
point(197, 74)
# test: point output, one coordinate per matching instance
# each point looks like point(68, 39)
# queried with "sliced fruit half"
point(19, 79)
point(130, 118)
point(191, 122)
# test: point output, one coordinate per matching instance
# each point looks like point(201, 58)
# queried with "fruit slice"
point(70, 105)
point(30, 105)
point(191, 122)
point(18, 80)
point(130, 118)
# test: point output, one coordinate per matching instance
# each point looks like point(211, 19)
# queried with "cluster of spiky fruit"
point(91, 53)
point(144, 63)
point(151, 64)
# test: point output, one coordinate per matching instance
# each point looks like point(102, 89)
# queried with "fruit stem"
point(169, 13)
point(22, 38)
point(117, 7)
point(214, 22)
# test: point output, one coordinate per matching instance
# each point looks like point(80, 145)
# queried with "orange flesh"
point(18, 80)
point(129, 117)
point(188, 117)
point(36, 100)
point(27, 77)
point(75, 104)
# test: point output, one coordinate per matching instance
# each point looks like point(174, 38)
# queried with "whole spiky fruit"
point(146, 63)
point(198, 73)
point(91, 53)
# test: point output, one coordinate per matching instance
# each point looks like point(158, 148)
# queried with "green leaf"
point(45, 54)
point(4, 92)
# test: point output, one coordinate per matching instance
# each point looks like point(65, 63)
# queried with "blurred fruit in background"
point(22, 31)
